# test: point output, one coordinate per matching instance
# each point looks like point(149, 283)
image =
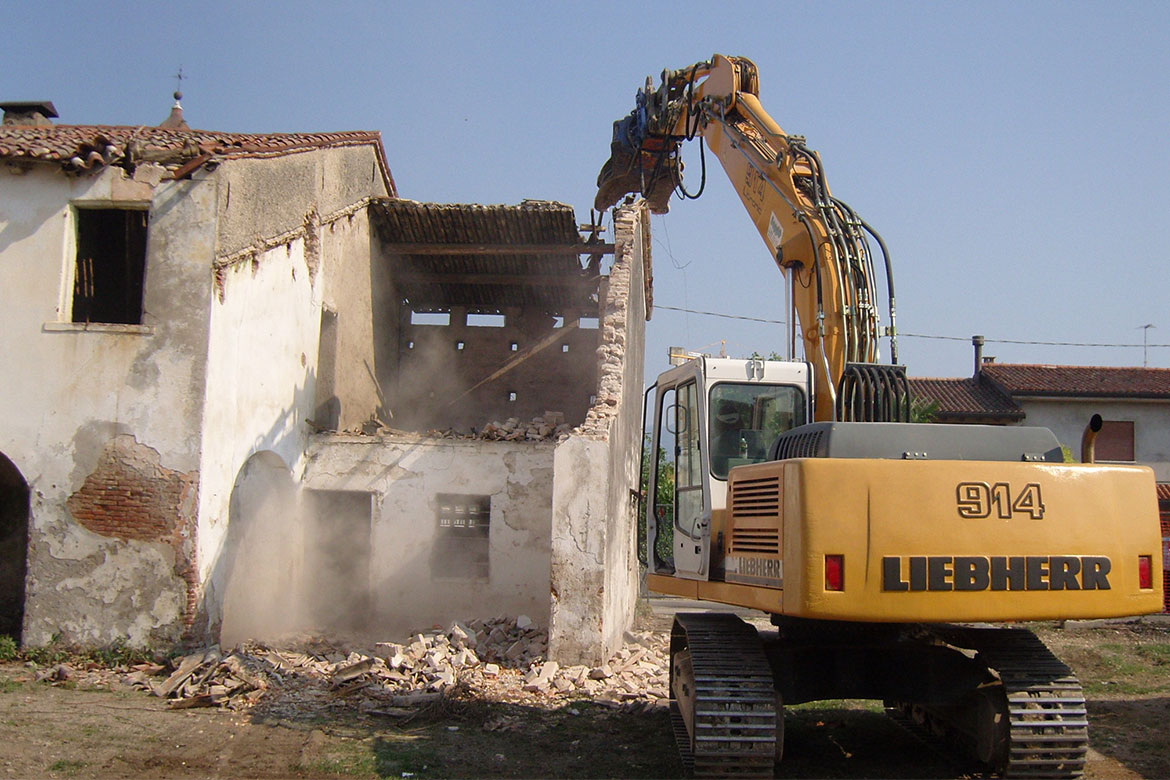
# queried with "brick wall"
point(130, 496)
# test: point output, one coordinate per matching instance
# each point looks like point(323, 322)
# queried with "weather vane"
point(179, 84)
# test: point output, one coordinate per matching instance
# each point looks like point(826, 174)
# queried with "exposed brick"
point(131, 496)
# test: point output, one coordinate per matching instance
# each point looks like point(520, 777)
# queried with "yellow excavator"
point(889, 554)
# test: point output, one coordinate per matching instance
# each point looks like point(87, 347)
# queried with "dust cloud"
point(299, 560)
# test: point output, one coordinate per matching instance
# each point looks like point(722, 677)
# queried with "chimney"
point(29, 113)
point(977, 342)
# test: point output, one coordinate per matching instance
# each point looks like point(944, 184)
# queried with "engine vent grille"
point(760, 541)
point(800, 445)
point(758, 497)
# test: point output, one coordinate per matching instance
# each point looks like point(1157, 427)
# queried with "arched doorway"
point(14, 511)
point(264, 552)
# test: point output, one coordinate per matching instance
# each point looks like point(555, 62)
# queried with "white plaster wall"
point(265, 317)
point(67, 392)
point(1067, 419)
point(260, 388)
point(405, 475)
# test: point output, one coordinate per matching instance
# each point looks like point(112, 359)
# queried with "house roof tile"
point(1079, 381)
point(88, 146)
point(966, 400)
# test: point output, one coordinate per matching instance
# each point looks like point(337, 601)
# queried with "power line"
point(904, 334)
point(726, 316)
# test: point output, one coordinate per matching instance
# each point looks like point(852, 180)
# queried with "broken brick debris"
point(549, 426)
point(501, 659)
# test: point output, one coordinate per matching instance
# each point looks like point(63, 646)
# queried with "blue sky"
point(1012, 154)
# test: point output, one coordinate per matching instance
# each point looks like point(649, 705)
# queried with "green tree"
point(923, 411)
point(663, 501)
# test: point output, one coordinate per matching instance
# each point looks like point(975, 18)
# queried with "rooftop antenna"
point(1146, 344)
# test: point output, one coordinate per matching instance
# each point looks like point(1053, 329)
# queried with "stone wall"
point(594, 571)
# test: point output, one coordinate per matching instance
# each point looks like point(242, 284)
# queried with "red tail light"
point(1145, 572)
point(834, 572)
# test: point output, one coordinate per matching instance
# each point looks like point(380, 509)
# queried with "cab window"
point(746, 419)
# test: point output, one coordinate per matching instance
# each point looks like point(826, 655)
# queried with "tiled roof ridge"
point(63, 143)
point(82, 147)
point(1061, 367)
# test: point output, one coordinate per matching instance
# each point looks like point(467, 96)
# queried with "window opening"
point(485, 320)
point(462, 550)
point(688, 472)
point(513, 346)
point(459, 345)
point(110, 267)
point(662, 460)
point(587, 323)
point(564, 347)
point(430, 317)
point(511, 395)
point(746, 419)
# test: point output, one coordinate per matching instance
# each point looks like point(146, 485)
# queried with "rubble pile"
point(501, 659)
point(549, 426)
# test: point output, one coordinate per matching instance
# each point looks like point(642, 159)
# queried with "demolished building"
point(251, 388)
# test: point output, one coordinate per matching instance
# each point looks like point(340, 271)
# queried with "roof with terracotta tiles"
point(965, 400)
point(81, 147)
point(1163, 491)
point(1079, 381)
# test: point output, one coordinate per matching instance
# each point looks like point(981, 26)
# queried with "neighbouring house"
point(1134, 404)
point(248, 388)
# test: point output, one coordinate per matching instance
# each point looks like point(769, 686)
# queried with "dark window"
point(746, 419)
point(461, 548)
point(111, 264)
point(1115, 441)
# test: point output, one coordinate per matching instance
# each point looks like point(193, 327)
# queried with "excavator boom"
point(819, 243)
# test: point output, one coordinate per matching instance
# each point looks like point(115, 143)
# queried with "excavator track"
point(1046, 732)
point(723, 702)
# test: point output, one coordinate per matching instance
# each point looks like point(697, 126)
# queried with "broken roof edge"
point(526, 203)
point(86, 147)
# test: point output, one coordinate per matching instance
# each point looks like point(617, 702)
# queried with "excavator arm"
point(817, 241)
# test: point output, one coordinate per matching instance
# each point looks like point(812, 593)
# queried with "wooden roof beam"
point(427, 248)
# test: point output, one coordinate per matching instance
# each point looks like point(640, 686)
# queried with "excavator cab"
point(711, 415)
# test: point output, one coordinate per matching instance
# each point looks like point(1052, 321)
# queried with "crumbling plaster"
point(79, 387)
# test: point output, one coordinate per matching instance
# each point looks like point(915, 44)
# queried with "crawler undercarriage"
point(997, 694)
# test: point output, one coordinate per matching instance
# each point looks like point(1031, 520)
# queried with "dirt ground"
point(64, 730)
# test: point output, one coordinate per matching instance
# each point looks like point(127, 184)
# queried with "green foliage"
point(923, 411)
point(49, 655)
point(8, 649)
point(116, 653)
point(663, 501)
point(68, 767)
